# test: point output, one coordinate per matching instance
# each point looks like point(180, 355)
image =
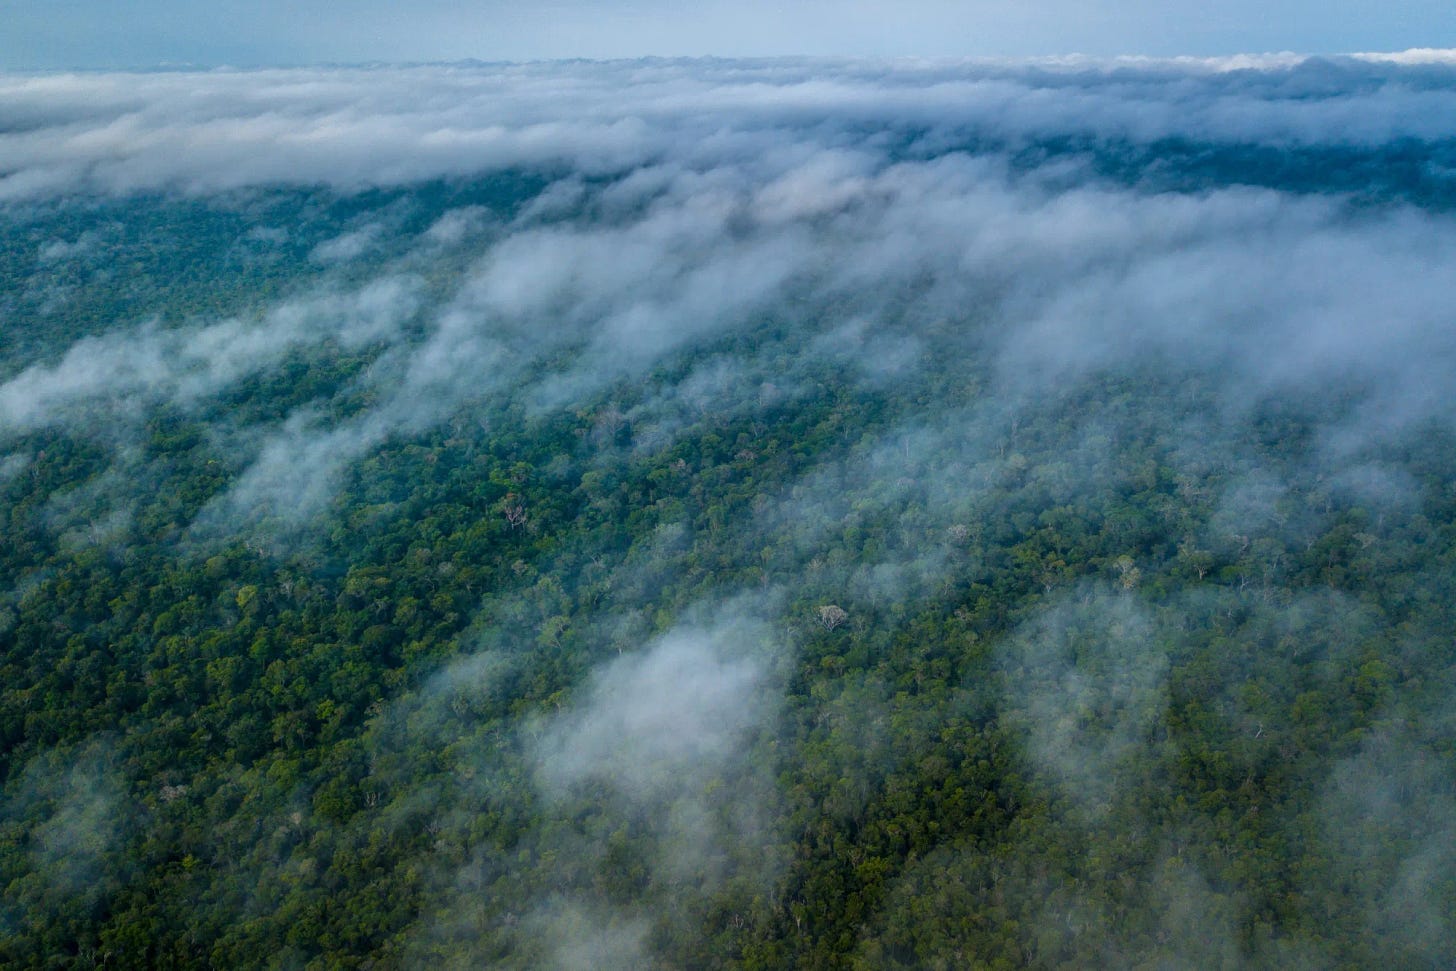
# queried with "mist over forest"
point(722, 513)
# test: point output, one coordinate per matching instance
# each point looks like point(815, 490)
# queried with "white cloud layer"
point(201, 132)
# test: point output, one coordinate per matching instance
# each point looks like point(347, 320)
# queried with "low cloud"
point(120, 375)
point(883, 210)
point(354, 128)
point(1086, 687)
point(649, 790)
point(659, 739)
point(346, 247)
point(1389, 812)
point(660, 724)
point(71, 805)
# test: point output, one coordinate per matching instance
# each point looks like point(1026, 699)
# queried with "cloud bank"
point(351, 128)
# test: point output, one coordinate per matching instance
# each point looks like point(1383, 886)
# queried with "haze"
point(96, 34)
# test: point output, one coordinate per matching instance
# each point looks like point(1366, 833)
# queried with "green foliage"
point(314, 748)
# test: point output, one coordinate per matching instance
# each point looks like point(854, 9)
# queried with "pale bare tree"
point(831, 616)
point(514, 510)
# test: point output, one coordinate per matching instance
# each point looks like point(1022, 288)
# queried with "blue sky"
point(49, 34)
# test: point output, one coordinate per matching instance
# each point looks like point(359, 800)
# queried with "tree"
point(831, 616)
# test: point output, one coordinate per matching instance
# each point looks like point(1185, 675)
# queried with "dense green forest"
point(918, 548)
